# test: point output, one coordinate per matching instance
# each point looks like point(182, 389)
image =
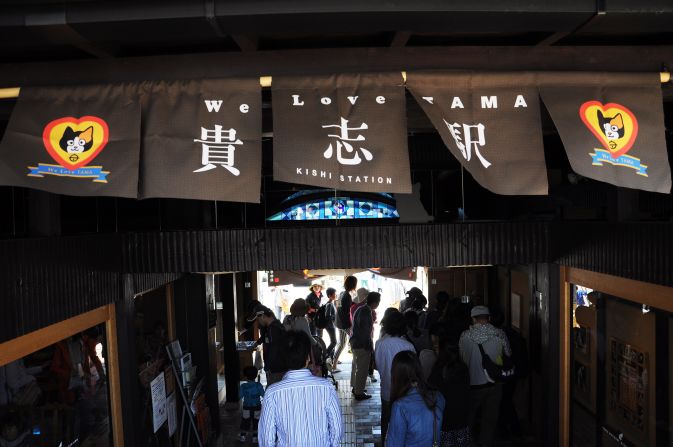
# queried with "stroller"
point(321, 357)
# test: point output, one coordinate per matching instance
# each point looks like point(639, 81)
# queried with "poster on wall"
point(612, 126)
point(345, 131)
point(628, 386)
point(158, 391)
point(78, 141)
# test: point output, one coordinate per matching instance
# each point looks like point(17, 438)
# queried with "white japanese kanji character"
point(343, 142)
point(218, 149)
point(470, 142)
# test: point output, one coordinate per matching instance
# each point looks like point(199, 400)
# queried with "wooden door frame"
point(34, 341)
point(654, 295)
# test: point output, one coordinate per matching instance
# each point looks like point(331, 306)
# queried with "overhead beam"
point(339, 60)
point(66, 35)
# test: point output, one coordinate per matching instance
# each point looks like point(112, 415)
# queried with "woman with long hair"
point(343, 317)
point(452, 378)
point(416, 415)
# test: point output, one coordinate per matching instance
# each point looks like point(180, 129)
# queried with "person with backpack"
point(324, 320)
point(485, 351)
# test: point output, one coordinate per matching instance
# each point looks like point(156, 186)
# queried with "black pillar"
point(192, 329)
point(226, 291)
point(546, 299)
point(128, 370)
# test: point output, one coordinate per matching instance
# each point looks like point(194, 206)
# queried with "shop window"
point(57, 396)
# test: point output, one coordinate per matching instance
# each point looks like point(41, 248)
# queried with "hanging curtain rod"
point(264, 81)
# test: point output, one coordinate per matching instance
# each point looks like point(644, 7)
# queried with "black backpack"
point(320, 319)
point(497, 373)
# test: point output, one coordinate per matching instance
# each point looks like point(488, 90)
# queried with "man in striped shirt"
point(300, 410)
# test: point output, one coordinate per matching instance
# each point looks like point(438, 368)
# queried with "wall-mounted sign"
point(612, 126)
point(345, 132)
point(202, 140)
point(80, 141)
point(490, 123)
point(158, 393)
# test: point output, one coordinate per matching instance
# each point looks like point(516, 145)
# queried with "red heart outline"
point(601, 137)
point(69, 119)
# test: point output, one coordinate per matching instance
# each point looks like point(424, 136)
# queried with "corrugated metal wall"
point(346, 247)
point(642, 251)
point(143, 282)
point(43, 281)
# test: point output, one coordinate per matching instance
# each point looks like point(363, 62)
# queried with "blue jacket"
point(411, 421)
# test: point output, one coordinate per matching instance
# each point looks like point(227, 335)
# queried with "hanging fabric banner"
point(202, 140)
point(344, 131)
point(491, 123)
point(79, 141)
point(612, 126)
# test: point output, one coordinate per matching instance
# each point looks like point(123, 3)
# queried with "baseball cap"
point(479, 311)
point(257, 311)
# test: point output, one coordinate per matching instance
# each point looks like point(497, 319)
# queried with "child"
point(251, 392)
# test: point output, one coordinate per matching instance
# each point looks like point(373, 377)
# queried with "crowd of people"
point(444, 369)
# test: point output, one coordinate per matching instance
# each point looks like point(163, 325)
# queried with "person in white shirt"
point(302, 409)
point(484, 394)
point(394, 327)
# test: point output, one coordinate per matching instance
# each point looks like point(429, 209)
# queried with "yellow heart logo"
point(614, 125)
point(74, 142)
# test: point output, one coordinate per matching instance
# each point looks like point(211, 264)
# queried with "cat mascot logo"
point(616, 127)
point(72, 143)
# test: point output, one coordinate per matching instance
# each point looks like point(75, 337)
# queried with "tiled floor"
point(362, 419)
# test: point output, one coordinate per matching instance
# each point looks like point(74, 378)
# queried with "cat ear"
point(87, 134)
point(617, 121)
point(68, 132)
point(600, 116)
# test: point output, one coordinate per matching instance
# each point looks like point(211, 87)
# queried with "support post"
point(227, 294)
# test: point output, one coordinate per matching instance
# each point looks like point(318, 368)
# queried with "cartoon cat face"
point(76, 142)
point(612, 127)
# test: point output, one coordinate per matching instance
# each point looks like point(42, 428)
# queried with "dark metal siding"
point(42, 295)
point(47, 280)
point(43, 281)
point(640, 251)
point(344, 247)
point(144, 282)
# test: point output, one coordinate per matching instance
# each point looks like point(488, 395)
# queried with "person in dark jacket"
point(330, 316)
point(343, 318)
point(272, 335)
point(313, 300)
point(452, 378)
point(362, 344)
